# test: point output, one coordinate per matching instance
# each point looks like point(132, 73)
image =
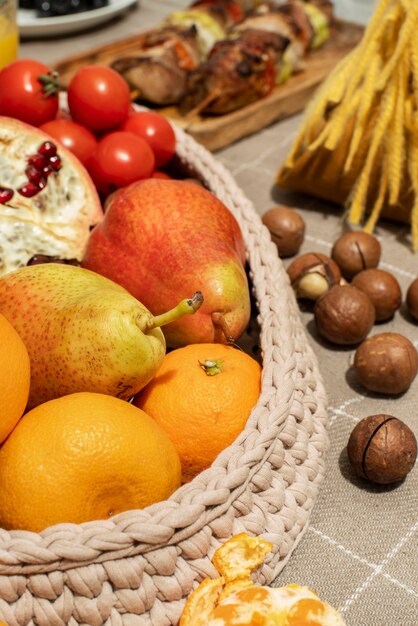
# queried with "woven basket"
point(138, 567)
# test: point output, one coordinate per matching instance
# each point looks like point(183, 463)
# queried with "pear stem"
point(187, 306)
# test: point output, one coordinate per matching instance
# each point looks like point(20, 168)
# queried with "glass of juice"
point(8, 32)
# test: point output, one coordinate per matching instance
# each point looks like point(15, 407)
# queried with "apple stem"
point(185, 307)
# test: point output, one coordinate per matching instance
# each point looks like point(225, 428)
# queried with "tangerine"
point(291, 605)
point(14, 377)
point(202, 396)
point(83, 457)
point(234, 599)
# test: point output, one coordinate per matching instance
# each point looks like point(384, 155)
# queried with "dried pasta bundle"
point(358, 144)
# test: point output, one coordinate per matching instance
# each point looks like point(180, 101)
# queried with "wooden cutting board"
point(220, 131)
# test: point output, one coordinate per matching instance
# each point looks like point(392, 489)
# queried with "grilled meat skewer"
point(160, 69)
point(207, 58)
point(298, 27)
point(237, 72)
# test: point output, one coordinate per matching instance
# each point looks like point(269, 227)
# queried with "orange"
point(202, 396)
point(82, 457)
point(14, 377)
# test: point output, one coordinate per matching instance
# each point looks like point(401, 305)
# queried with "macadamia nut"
point(386, 363)
point(356, 251)
point(287, 229)
point(344, 315)
point(382, 449)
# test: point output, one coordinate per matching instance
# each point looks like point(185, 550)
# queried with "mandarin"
point(234, 600)
point(85, 456)
point(14, 377)
point(202, 396)
point(292, 605)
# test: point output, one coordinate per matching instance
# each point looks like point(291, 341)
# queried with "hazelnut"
point(382, 449)
point(287, 229)
point(386, 363)
point(383, 290)
point(356, 251)
point(344, 315)
point(412, 299)
point(312, 274)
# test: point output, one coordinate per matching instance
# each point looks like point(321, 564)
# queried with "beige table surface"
point(361, 549)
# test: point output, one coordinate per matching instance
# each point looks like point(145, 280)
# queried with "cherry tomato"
point(98, 98)
point(27, 92)
point(120, 159)
point(76, 138)
point(156, 130)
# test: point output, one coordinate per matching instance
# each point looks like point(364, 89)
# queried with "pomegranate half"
point(48, 211)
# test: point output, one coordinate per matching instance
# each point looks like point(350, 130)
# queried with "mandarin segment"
point(235, 585)
point(201, 603)
point(306, 610)
point(238, 615)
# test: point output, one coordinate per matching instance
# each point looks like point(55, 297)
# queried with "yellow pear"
point(83, 332)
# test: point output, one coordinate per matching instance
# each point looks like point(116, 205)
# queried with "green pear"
point(83, 332)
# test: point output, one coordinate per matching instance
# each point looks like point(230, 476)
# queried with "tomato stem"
point(50, 83)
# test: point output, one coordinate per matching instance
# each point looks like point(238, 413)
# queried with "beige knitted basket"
point(138, 567)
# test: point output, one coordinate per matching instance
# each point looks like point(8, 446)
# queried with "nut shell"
point(344, 315)
point(356, 251)
point(287, 229)
point(386, 363)
point(383, 290)
point(412, 299)
point(312, 274)
point(382, 449)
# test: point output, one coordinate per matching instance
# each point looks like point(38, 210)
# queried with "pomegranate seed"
point(42, 183)
point(29, 190)
point(48, 149)
point(5, 195)
point(38, 161)
point(55, 163)
point(33, 174)
point(38, 259)
point(47, 171)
